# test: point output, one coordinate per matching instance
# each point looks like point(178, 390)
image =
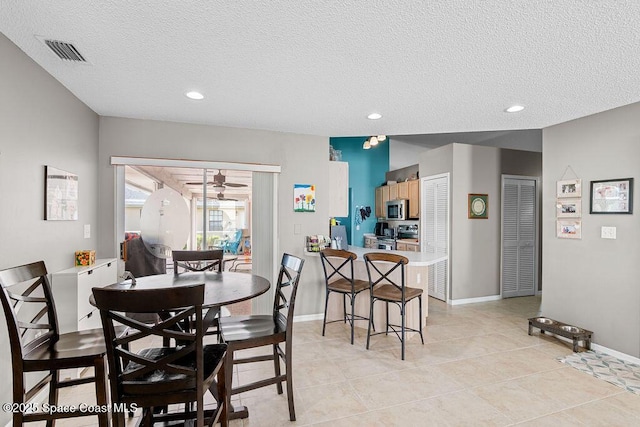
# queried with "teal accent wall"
point(367, 169)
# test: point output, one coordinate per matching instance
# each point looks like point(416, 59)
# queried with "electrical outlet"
point(87, 231)
point(608, 232)
point(297, 228)
point(418, 278)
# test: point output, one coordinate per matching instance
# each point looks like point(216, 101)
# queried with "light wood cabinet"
point(371, 242)
point(379, 204)
point(401, 246)
point(393, 192)
point(414, 198)
point(382, 197)
point(71, 291)
point(338, 189)
point(403, 190)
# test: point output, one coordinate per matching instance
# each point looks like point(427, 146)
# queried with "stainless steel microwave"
point(397, 209)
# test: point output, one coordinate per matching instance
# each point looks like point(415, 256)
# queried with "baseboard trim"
point(475, 300)
point(308, 317)
point(615, 353)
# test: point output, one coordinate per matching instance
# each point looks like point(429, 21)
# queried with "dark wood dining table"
point(219, 289)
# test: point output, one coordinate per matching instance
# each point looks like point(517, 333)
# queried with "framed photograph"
point(569, 208)
point(61, 195)
point(478, 206)
point(612, 196)
point(569, 229)
point(569, 188)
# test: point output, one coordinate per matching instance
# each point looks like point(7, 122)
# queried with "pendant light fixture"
point(372, 141)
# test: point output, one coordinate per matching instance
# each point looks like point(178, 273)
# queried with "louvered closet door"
point(435, 234)
point(519, 229)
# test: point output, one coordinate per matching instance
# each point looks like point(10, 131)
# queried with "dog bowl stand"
point(555, 327)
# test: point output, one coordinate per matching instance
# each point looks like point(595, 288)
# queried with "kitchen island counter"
point(416, 276)
point(417, 259)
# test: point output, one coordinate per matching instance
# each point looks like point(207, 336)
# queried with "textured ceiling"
point(319, 67)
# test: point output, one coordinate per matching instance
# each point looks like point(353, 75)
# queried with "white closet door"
point(435, 230)
point(519, 230)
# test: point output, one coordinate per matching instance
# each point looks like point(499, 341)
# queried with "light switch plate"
point(608, 232)
point(87, 231)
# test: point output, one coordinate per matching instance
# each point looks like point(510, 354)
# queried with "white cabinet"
point(338, 189)
point(71, 291)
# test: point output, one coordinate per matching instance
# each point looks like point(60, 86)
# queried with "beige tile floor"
point(478, 366)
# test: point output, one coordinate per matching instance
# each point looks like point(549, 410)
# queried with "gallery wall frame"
point(611, 196)
point(569, 208)
point(569, 188)
point(61, 195)
point(569, 229)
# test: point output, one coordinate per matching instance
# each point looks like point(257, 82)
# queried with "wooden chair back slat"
point(197, 260)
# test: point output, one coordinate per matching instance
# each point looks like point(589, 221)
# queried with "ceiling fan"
point(219, 182)
point(220, 196)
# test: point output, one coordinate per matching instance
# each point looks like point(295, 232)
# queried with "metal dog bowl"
point(572, 329)
point(545, 321)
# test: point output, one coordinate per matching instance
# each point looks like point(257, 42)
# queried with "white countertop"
point(415, 258)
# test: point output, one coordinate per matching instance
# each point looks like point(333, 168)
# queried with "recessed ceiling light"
point(194, 95)
point(514, 109)
point(374, 116)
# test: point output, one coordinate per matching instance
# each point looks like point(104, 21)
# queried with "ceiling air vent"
point(65, 51)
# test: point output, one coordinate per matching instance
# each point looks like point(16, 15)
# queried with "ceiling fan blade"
point(198, 183)
point(233, 184)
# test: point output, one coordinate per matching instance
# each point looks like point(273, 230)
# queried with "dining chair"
point(197, 260)
point(254, 331)
point(37, 346)
point(155, 377)
point(339, 278)
point(382, 287)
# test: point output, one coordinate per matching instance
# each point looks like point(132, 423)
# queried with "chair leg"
point(370, 322)
point(353, 313)
point(289, 367)
point(100, 374)
point(402, 316)
point(326, 304)
point(387, 311)
point(18, 397)
point(53, 393)
point(224, 395)
point(344, 307)
point(420, 313)
point(276, 366)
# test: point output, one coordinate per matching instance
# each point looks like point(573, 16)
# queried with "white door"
point(519, 237)
point(434, 220)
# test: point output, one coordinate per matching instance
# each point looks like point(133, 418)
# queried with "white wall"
point(475, 243)
point(402, 154)
point(593, 282)
point(41, 123)
point(303, 159)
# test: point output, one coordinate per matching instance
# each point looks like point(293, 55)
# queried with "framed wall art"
point(569, 188)
point(569, 229)
point(569, 208)
point(478, 206)
point(61, 195)
point(612, 196)
point(304, 198)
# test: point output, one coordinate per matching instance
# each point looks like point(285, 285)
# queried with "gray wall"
point(593, 282)
point(303, 159)
point(475, 243)
point(41, 123)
